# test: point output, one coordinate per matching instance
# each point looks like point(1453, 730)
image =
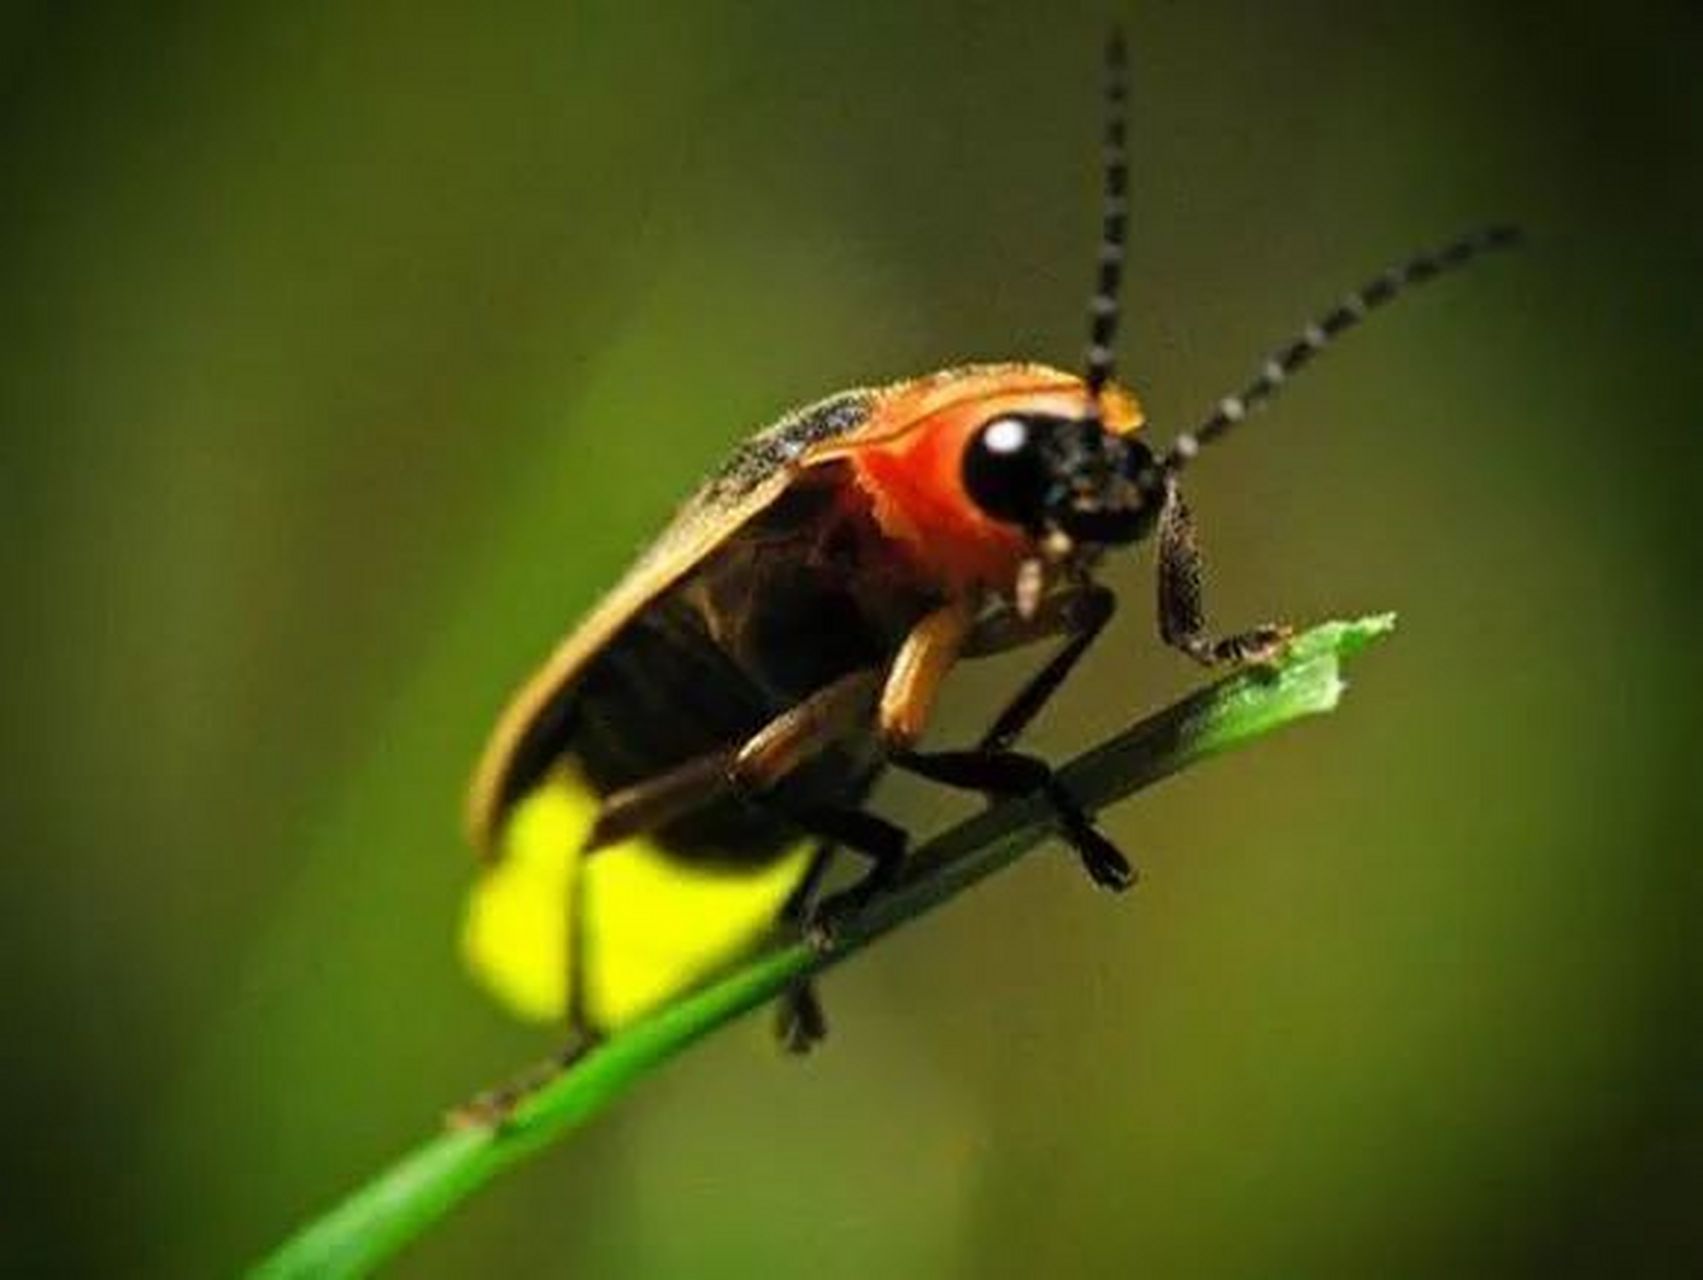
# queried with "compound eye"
point(1005, 470)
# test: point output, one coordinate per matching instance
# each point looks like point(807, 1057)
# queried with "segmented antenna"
point(1284, 362)
point(1103, 307)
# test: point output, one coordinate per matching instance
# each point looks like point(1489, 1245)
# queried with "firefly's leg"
point(1082, 616)
point(752, 770)
point(747, 769)
point(1011, 773)
point(952, 632)
point(908, 697)
point(493, 1107)
point(1182, 616)
point(800, 1024)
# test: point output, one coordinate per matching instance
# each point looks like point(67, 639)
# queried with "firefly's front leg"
point(1182, 614)
point(1080, 614)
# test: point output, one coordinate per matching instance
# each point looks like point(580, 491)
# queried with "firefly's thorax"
point(1054, 475)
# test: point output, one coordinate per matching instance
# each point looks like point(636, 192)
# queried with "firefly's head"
point(1052, 475)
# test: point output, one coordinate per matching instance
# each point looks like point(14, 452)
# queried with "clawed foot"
point(1255, 647)
point(489, 1110)
point(1103, 860)
point(800, 1024)
point(820, 934)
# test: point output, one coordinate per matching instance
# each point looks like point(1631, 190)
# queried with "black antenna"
point(1103, 307)
point(1321, 333)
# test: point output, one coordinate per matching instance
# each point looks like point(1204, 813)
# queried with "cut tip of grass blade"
point(1342, 639)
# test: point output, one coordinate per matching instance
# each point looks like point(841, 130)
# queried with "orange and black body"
point(669, 782)
point(821, 566)
point(803, 565)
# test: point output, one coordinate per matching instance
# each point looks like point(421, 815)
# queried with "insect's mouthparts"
point(1104, 499)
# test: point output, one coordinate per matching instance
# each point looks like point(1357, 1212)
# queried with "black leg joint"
point(800, 1024)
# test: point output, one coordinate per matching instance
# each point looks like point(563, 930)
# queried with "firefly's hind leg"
point(492, 1108)
point(752, 771)
point(1182, 613)
point(800, 1023)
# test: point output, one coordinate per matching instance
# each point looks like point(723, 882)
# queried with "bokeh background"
point(350, 350)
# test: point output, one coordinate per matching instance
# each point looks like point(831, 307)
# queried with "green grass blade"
point(400, 1203)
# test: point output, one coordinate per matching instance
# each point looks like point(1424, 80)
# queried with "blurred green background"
point(350, 350)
